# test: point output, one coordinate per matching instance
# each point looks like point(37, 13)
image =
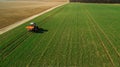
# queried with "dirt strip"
point(10, 27)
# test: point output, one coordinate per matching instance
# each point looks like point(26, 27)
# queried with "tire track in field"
point(109, 41)
point(58, 27)
point(32, 59)
point(107, 38)
point(2, 49)
point(45, 36)
point(10, 44)
point(52, 39)
point(14, 44)
point(45, 19)
point(93, 42)
point(55, 48)
point(98, 35)
point(49, 16)
point(92, 39)
point(30, 18)
point(4, 36)
point(105, 48)
point(18, 42)
point(48, 45)
point(69, 41)
point(28, 65)
point(24, 34)
point(57, 51)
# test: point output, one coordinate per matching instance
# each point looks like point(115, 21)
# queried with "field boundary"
point(12, 26)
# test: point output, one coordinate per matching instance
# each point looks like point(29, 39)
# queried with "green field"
point(79, 35)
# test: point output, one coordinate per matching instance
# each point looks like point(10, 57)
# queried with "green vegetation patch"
point(79, 34)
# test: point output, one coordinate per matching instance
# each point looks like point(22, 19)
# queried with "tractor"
point(32, 27)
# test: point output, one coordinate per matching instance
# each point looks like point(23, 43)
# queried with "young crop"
point(79, 34)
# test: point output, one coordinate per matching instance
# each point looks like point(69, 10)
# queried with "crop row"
point(78, 35)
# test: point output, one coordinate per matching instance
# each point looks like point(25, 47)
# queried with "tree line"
point(97, 1)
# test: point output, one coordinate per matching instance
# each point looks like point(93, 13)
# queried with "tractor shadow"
point(41, 30)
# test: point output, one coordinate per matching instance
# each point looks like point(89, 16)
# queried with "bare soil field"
point(13, 11)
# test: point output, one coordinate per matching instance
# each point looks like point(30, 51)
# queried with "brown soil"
point(13, 11)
